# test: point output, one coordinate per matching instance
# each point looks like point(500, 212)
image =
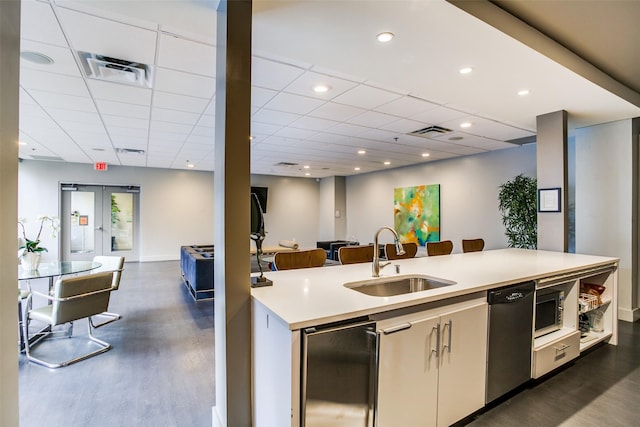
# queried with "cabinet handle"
point(437, 349)
point(562, 348)
point(396, 328)
point(449, 326)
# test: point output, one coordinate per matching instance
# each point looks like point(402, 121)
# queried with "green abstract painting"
point(416, 213)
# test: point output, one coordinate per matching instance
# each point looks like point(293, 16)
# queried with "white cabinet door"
point(408, 374)
point(461, 381)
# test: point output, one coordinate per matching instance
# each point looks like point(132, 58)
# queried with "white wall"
point(292, 209)
point(468, 195)
point(176, 206)
point(603, 197)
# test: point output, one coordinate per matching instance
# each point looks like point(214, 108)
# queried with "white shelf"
point(553, 336)
point(592, 338)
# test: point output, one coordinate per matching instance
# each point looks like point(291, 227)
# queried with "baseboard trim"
point(627, 315)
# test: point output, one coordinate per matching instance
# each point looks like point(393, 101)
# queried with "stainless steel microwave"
point(549, 308)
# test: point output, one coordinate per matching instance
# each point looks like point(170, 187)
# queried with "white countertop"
point(314, 296)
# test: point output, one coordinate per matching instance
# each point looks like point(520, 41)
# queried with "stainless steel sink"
point(398, 285)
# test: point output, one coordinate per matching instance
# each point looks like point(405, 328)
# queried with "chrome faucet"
point(376, 266)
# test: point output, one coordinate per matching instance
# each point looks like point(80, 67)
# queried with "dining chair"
point(410, 251)
point(443, 247)
point(115, 265)
point(355, 254)
point(299, 259)
point(472, 245)
point(72, 299)
point(23, 294)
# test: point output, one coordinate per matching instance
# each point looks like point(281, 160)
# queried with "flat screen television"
point(261, 192)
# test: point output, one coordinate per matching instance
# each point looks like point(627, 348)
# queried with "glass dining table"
point(56, 269)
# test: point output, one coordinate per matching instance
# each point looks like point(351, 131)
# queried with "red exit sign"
point(100, 166)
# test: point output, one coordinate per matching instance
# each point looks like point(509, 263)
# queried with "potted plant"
point(517, 202)
point(29, 253)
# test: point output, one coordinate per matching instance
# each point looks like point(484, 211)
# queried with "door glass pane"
point(82, 236)
point(121, 222)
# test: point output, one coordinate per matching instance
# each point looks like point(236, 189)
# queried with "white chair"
point(114, 264)
point(72, 299)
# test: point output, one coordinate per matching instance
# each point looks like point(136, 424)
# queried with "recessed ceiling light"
point(306, 166)
point(425, 154)
point(385, 37)
point(251, 137)
point(466, 70)
point(22, 143)
point(36, 57)
point(307, 174)
point(190, 165)
point(387, 163)
point(362, 152)
point(524, 92)
point(465, 125)
point(321, 88)
point(356, 168)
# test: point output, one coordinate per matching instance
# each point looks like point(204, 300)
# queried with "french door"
point(99, 220)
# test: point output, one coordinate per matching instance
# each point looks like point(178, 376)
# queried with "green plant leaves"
point(517, 201)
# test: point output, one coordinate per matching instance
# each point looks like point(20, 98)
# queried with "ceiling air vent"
point(286, 164)
point(430, 131)
point(129, 151)
point(116, 70)
point(47, 158)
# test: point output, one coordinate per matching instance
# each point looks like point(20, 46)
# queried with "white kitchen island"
point(308, 298)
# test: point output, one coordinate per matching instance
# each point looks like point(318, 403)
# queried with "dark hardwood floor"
point(160, 371)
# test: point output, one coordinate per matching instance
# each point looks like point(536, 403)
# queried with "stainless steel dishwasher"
point(339, 375)
point(510, 337)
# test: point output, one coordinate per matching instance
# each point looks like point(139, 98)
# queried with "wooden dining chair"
point(443, 247)
point(472, 245)
point(355, 254)
point(299, 259)
point(410, 250)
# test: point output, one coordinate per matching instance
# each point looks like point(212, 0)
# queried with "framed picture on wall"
point(549, 200)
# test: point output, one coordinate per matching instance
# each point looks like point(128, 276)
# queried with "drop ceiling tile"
point(290, 132)
point(63, 61)
point(404, 126)
point(438, 116)
point(203, 140)
point(173, 101)
point(347, 129)
point(293, 103)
point(73, 127)
point(379, 135)
point(487, 128)
point(113, 108)
point(56, 100)
point(366, 97)
point(185, 55)
point(205, 131)
point(38, 23)
point(406, 106)
point(275, 117)
point(125, 131)
point(90, 139)
point(54, 83)
point(313, 123)
point(126, 122)
point(272, 75)
point(173, 116)
point(304, 85)
point(337, 112)
point(64, 115)
point(182, 83)
point(127, 42)
point(372, 119)
point(264, 128)
point(158, 126)
point(119, 92)
point(260, 96)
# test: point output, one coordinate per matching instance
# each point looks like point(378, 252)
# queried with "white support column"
point(9, 94)
point(551, 149)
point(232, 216)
